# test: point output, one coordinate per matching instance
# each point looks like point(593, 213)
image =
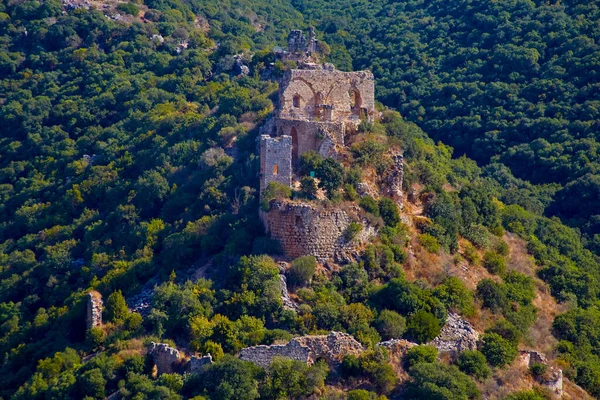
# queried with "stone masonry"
point(394, 179)
point(167, 359)
point(308, 349)
point(552, 380)
point(304, 229)
point(456, 336)
point(94, 310)
point(275, 160)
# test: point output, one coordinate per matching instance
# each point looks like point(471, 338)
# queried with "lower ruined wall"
point(304, 229)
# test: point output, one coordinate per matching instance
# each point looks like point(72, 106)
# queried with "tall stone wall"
point(94, 310)
point(305, 229)
point(307, 349)
point(275, 160)
point(313, 93)
point(310, 135)
point(394, 179)
point(166, 358)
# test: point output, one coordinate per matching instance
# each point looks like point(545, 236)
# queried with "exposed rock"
point(456, 336)
point(285, 295)
point(94, 309)
point(307, 349)
point(552, 379)
point(167, 359)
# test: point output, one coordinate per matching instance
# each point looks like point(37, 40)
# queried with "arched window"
point(275, 169)
point(296, 101)
point(355, 101)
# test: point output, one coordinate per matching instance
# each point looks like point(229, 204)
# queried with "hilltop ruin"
point(320, 108)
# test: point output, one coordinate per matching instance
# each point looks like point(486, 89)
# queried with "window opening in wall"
point(298, 221)
point(355, 101)
point(275, 169)
point(296, 101)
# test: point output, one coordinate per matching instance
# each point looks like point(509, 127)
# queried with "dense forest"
point(127, 159)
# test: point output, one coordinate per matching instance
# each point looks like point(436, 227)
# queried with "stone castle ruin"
point(319, 108)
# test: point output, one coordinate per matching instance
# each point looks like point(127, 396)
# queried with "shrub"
point(422, 327)
point(274, 190)
point(129, 8)
point(494, 263)
point(388, 210)
point(390, 324)
point(302, 270)
point(439, 381)
point(493, 294)
point(473, 362)
point(350, 193)
point(502, 248)
point(497, 350)
point(370, 205)
point(116, 307)
point(352, 231)
point(309, 161)
point(360, 394)
point(455, 294)
point(470, 254)
point(537, 369)
point(308, 188)
point(535, 394)
point(331, 175)
point(430, 243)
point(420, 354)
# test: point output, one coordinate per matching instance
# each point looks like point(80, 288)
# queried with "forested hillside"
point(511, 82)
point(128, 159)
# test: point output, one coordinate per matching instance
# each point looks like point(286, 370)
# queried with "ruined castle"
point(319, 108)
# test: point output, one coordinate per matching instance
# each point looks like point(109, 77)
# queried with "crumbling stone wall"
point(275, 160)
point(307, 349)
point(394, 179)
point(166, 358)
point(197, 365)
point(456, 336)
point(310, 135)
point(94, 310)
point(552, 380)
point(304, 229)
point(327, 94)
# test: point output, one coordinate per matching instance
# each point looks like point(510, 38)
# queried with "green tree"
point(116, 307)
point(474, 363)
point(422, 326)
point(497, 350)
point(390, 324)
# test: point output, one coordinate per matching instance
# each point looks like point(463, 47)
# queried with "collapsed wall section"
point(305, 229)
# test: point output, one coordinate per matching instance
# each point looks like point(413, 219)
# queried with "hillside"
point(129, 172)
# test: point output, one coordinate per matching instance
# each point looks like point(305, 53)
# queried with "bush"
point(361, 394)
point(422, 327)
point(390, 324)
point(420, 354)
point(493, 294)
point(494, 263)
point(352, 231)
point(129, 8)
point(308, 188)
point(331, 175)
point(388, 210)
point(116, 307)
point(497, 350)
point(439, 381)
point(535, 394)
point(430, 243)
point(455, 294)
point(309, 161)
point(350, 193)
point(274, 190)
point(302, 270)
point(474, 363)
point(370, 205)
point(537, 369)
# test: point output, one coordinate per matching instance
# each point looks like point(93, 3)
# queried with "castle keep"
point(319, 108)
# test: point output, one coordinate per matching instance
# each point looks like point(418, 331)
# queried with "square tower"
point(275, 160)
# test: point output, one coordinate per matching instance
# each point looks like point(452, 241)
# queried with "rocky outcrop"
point(167, 359)
point(552, 379)
point(307, 349)
point(94, 310)
point(456, 336)
point(285, 295)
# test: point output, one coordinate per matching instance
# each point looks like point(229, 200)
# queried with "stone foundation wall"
point(94, 310)
point(307, 349)
point(167, 359)
point(303, 229)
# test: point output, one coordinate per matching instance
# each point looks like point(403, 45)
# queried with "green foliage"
point(388, 210)
point(535, 394)
point(474, 363)
point(116, 307)
point(497, 350)
point(372, 365)
point(455, 295)
point(129, 8)
point(429, 242)
point(331, 175)
point(308, 188)
point(439, 381)
point(494, 263)
point(302, 270)
point(274, 191)
point(310, 161)
point(422, 326)
point(231, 378)
point(390, 324)
point(293, 379)
point(370, 205)
point(353, 229)
point(420, 354)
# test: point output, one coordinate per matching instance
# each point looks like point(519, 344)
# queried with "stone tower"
point(94, 310)
point(275, 160)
